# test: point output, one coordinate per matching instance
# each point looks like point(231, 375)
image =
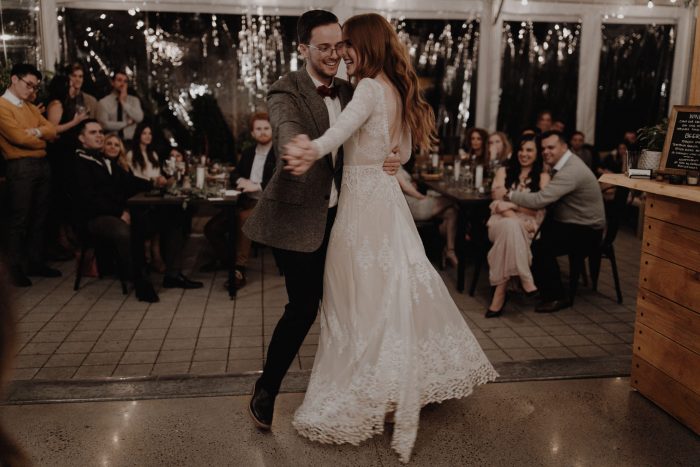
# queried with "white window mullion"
point(588, 70)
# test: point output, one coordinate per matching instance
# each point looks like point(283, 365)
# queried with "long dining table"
point(471, 225)
point(228, 203)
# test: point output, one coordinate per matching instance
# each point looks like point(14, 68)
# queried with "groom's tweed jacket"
point(291, 213)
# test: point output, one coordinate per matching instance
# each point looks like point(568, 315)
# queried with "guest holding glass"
point(512, 227)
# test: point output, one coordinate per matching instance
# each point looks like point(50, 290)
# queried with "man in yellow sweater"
point(23, 136)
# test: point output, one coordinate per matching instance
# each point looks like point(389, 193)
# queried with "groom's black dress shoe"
point(261, 407)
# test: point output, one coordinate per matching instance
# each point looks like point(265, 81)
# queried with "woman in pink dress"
point(511, 227)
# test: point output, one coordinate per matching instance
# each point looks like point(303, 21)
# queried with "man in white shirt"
point(253, 172)
point(118, 111)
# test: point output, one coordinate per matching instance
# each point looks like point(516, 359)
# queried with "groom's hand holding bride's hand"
point(299, 155)
point(392, 163)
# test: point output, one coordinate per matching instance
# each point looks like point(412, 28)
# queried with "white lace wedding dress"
point(392, 338)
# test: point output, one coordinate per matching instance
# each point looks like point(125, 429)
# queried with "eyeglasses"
point(31, 86)
point(326, 49)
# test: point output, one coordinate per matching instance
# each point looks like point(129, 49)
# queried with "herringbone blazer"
point(291, 213)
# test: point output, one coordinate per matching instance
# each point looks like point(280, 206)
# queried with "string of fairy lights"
point(263, 53)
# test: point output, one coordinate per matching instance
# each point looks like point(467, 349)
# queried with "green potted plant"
point(651, 139)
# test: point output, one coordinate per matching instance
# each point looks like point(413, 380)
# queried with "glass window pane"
point(539, 71)
point(634, 83)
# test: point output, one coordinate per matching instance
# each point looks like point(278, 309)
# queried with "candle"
point(479, 176)
point(199, 182)
point(435, 160)
point(456, 172)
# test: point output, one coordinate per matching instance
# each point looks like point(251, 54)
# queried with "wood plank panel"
point(675, 211)
point(672, 242)
point(673, 397)
point(679, 324)
point(690, 193)
point(678, 362)
point(673, 282)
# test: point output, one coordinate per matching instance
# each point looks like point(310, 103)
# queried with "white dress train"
point(392, 338)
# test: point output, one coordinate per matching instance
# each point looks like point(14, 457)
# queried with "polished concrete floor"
point(591, 422)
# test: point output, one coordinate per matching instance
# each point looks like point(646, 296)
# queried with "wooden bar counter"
point(666, 352)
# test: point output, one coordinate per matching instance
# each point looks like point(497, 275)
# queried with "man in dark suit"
point(253, 173)
point(295, 213)
point(101, 189)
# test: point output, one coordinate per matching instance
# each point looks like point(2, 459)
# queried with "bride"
point(392, 338)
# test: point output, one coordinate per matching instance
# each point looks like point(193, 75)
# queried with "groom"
point(296, 213)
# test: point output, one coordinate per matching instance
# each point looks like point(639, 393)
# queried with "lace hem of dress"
point(447, 366)
point(372, 420)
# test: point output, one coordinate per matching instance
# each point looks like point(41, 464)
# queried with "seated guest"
point(575, 218)
point(426, 207)
point(476, 149)
point(165, 224)
point(612, 162)
point(114, 150)
point(544, 121)
point(251, 176)
point(23, 136)
point(558, 125)
point(500, 150)
point(581, 149)
point(145, 163)
point(118, 111)
point(512, 227)
point(100, 193)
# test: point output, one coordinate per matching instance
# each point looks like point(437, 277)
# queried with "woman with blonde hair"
point(500, 149)
point(114, 150)
point(392, 339)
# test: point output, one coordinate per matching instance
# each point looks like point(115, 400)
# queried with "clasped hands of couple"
point(300, 154)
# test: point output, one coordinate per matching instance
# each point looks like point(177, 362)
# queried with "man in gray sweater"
point(575, 218)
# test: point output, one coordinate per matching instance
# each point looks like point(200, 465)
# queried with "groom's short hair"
point(313, 19)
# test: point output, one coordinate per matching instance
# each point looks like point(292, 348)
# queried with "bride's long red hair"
point(379, 50)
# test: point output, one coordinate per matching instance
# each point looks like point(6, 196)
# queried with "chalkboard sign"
point(682, 146)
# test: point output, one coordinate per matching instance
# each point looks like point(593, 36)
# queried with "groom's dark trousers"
point(303, 275)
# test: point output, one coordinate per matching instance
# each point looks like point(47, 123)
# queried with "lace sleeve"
point(351, 118)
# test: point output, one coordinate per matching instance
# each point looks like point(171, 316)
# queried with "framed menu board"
point(682, 146)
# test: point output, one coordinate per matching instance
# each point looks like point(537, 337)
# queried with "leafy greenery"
point(652, 138)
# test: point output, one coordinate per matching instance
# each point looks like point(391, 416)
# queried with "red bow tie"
point(325, 91)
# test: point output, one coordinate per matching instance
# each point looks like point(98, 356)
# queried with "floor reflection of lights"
point(116, 438)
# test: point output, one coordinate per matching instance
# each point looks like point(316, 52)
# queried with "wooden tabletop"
point(458, 193)
point(156, 199)
point(686, 192)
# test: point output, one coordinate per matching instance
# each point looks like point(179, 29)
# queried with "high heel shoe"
point(449, 258)
point(495, 314)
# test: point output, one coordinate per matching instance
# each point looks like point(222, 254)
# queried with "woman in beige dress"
point(511, 227)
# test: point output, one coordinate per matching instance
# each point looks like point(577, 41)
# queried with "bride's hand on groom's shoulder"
point(299, 155)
